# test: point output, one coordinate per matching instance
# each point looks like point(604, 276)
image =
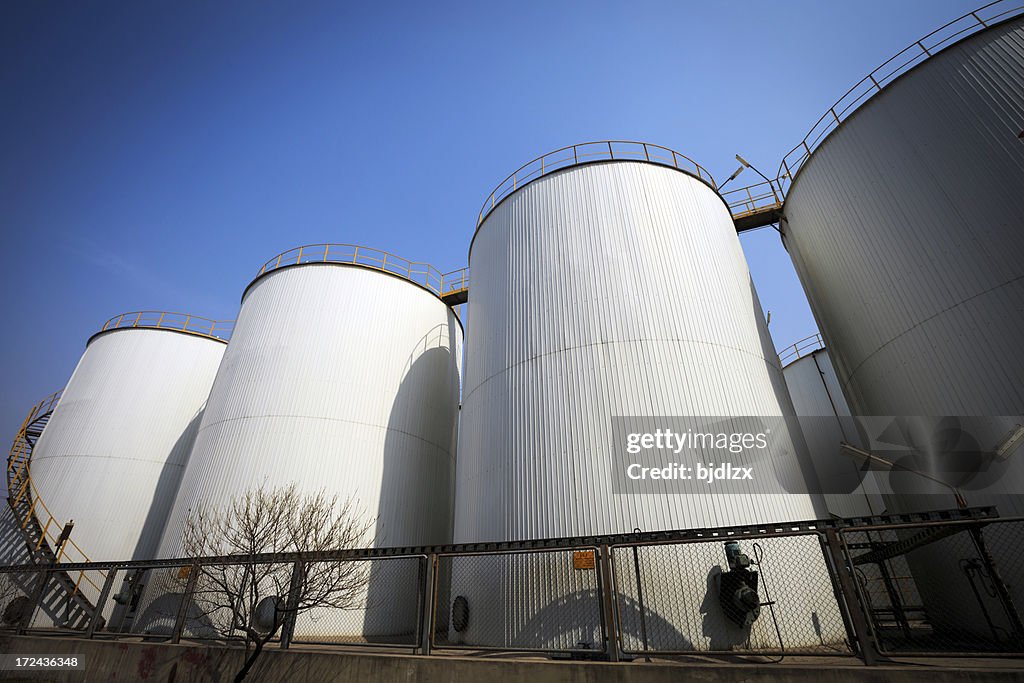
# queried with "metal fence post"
point(37, 601)
point(427, 600)
point(850, 601)
point(291, 614)
point(1005, 599)
point(97, 615)
point(640, 594)
point(608, 600)
point(186, 598)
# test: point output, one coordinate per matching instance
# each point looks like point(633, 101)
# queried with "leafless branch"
point(233, 597)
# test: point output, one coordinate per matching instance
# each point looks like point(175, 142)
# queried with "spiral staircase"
point(64, 598)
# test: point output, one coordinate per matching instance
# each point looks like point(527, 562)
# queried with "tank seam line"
point(328, 419)
point(609, 343)
point(926, 320)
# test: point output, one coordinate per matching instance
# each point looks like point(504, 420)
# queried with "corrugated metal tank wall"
point(113, 453)
point(610, 289)
point(826, 422)
point(602, 290)
point(905, 229)
point(337, 378)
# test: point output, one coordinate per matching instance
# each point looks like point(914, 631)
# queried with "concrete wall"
point(113, 662)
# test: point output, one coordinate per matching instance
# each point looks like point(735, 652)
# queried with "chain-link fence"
point(17, 598)
point(950, 589)
point(948, 583)
point(547, 600)
point(382, 607)
point(771, 595)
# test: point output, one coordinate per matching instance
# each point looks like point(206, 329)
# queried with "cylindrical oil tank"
point(112, 455)
point(826, 423)
point(342, 376)
point(904, 226)
point(608, 293)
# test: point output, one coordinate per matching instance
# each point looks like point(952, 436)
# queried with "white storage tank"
point(112, 455)
point(342, 376)
point(615, 288)
point(609, 294)
point(826, 422)
point(904, 227)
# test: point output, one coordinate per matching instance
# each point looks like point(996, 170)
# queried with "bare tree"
point(254, 599)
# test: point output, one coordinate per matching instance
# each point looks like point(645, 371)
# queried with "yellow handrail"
point(418, 272)
point(898, 64)
point(20, 484)
point(798, 350)
point(455, 281)
point(746, 201)
point(588, 152)
point(166, 320)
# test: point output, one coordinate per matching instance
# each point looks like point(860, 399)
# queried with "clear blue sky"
point(155, 154)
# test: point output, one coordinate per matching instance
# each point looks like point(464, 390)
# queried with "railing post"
point(575, 157)
point(326, 249)
point(186, 599)
point(607, 597)
point(299, 259)
point(427, 603)
point(611, 153)
point(97, 614)
point(647, 155)
point(849, 600)
point(42, 536)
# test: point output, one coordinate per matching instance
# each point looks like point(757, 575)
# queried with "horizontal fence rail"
point(888, 71)
point(942, 583)
point(418, 272)
point(166, 320)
